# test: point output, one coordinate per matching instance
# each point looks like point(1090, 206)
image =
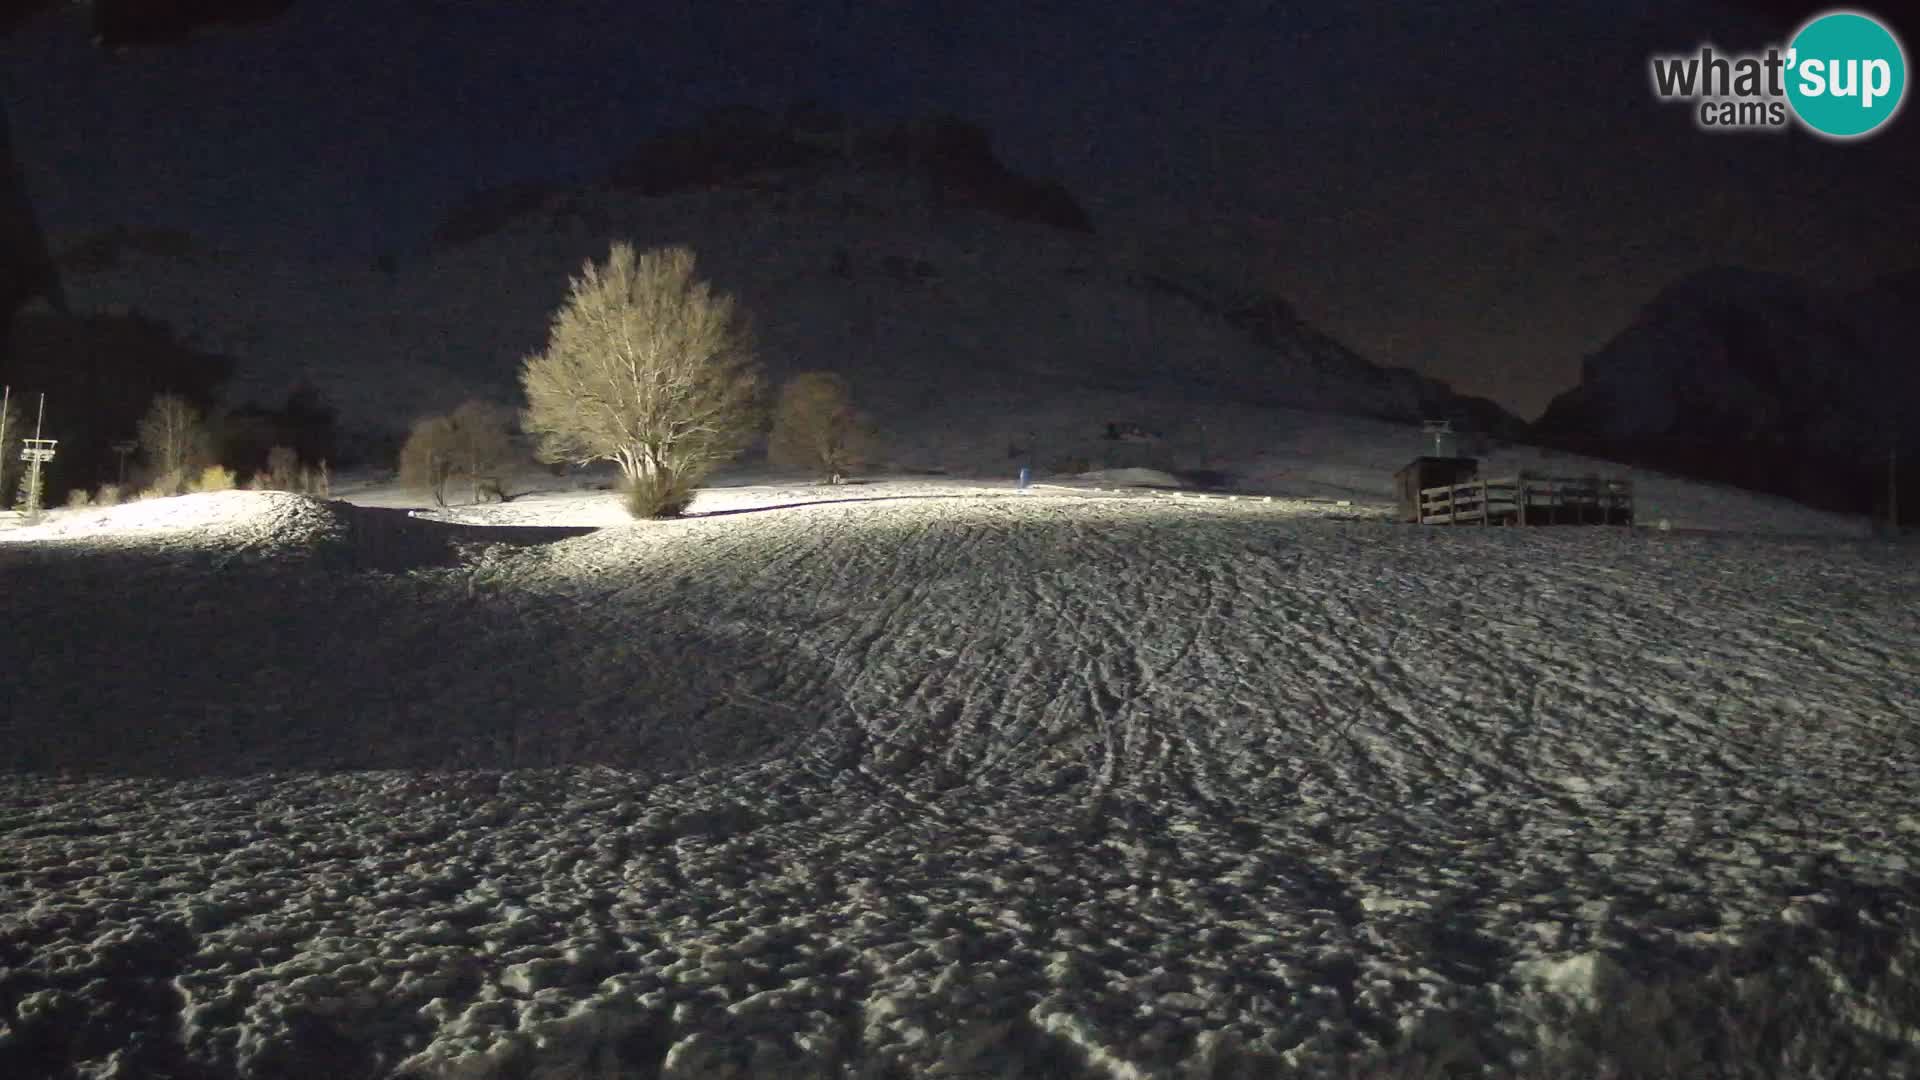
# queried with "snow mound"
point(209, 515)
point(252, 524)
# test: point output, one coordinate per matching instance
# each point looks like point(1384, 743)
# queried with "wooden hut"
point(1430, 472)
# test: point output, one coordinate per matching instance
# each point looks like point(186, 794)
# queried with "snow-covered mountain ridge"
point(1763, 380)
point(929, 301)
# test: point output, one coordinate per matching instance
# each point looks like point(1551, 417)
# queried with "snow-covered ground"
point(924, 776)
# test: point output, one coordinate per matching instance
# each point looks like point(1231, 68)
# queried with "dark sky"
point(1482, 190)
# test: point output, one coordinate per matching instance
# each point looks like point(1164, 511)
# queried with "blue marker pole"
point(1026, 477)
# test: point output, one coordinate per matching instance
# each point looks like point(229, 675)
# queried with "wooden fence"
point(1528, 499)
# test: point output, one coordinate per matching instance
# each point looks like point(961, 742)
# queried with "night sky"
point(1481, 190)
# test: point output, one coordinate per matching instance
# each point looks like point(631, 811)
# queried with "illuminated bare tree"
point(483, 447)
point(13, 428)
point(426, 460)
point(173, 441)
point(473, 443)
point(815, 426)
point(647, 367)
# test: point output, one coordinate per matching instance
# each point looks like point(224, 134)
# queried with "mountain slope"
point(1758, 379)
point(909, 273)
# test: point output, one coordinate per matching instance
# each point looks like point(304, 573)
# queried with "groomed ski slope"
point(941, 782)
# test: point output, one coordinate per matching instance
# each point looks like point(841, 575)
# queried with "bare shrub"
point(283, 469)
point(108, 495)
point(214, 478)
point(173, 441)
point(815, 426)
point(426, 459)
point(646, 367)
point(483, 447)
point(260, 481)
point(658, 494)
point(164, 485)
point(473, 444)
point(79, 499)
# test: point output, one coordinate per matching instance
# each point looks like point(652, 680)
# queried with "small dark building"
point(1428, 472)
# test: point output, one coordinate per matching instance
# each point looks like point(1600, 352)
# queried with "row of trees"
point(814, 426)
point(177, 450)
point(645, 366)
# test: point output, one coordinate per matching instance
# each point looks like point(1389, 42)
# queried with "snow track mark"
point(1069, 781)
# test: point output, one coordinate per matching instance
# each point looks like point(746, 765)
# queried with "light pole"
point(36, 452)
point(1442, 432)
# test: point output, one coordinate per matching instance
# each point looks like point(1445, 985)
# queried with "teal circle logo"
point(1846, 74)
